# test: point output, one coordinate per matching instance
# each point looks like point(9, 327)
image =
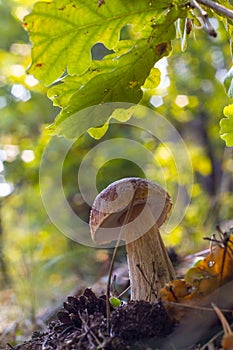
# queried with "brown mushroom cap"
point(111, 205)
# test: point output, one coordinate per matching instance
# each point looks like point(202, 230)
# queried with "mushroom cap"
point(111, 205)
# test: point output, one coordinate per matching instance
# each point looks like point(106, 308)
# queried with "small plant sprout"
point(115, 302)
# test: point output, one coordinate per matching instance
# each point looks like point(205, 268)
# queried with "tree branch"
point(202, 12)
point(207, 25)
point(217, 7)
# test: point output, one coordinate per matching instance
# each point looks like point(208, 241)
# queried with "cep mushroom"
point(148, 204)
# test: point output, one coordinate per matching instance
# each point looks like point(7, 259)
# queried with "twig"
point(88, 330)
point(126, 219)
point(225, 324)
point(150, 283)
point(195, 307)
point(196, 5)
point(217, 7)
point(207, 25)
point(211, 340)
point(124, 291)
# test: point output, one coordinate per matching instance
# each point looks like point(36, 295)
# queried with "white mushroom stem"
point(149, 264)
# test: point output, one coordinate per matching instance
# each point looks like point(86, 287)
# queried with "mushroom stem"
point(149, 265)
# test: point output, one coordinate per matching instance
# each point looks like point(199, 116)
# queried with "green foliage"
point(193, 99)
point(120, 75)
point(66, 30)
point(226, 125)
point(114, 61)
point(10, 27)
point(109, 80)
point(39, 271)
point(135, 35)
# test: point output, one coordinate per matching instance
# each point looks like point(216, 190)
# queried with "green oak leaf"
point(97, 133)
point(153, 80)
point(150, 85)
point(63, 32)
point(119, 114)
point(94, 86)
point(109, 80)
point(117, 78)
point(226, 124)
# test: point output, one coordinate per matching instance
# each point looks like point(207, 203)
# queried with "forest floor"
point(81, 323)
point(136, 325)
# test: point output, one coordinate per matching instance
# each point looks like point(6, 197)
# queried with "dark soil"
point(81, 325)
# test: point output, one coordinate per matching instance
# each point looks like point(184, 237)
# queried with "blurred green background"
point(35, 273)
